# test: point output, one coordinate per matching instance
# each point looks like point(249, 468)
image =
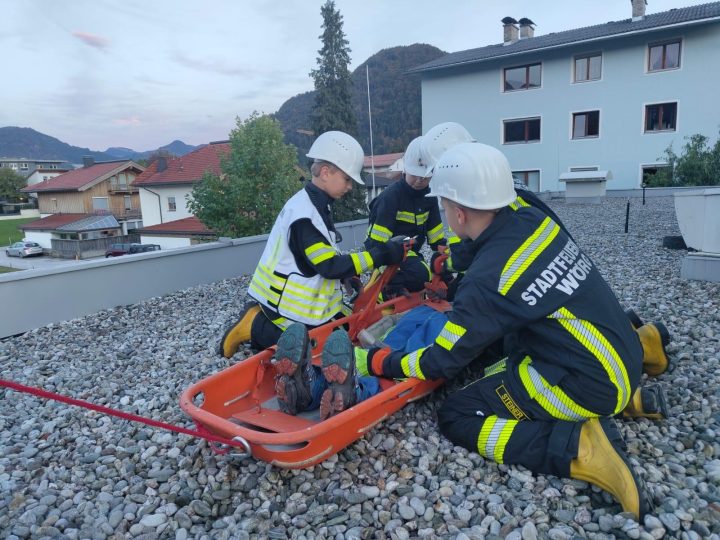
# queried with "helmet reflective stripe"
point(415, 161)
point(441, 138)
point(474, 175)
point(341, 150)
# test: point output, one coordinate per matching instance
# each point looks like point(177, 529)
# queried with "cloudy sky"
point(141, 73)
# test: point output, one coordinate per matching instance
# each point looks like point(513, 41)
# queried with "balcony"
point(122, 188)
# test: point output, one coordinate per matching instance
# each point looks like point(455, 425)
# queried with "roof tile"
point(187, 169)
point(77, 178)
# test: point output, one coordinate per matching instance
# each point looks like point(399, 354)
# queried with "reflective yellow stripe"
point(495, 368)
point(527, 253)
point(410, 364)
point(320, 252)
point(494, 436)
point(380, 233)
point(407, 217)
point(591, 338)
point(449, 335)
point(420, 219)
point(282, 323)
point(361, 261)
point(320, 312)
point(551, 398)
point(436, 234)
point(518, 203)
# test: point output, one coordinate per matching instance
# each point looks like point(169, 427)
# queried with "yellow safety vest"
point(279, 284)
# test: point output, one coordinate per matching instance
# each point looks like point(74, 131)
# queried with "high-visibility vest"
point(279, 284)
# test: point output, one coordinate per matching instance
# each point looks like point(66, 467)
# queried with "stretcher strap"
point(200, 432)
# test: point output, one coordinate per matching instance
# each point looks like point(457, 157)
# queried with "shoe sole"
point(288, 362)
point(655, 400)
point(664, 334)
point(337, 368)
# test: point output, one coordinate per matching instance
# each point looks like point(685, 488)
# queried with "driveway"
point(30, 263)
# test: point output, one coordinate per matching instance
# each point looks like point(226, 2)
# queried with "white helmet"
point(442, 137)
point(474, 175)
point(415, 161)
point(341, 150)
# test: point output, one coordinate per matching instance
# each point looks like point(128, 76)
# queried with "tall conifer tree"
point(333, 108)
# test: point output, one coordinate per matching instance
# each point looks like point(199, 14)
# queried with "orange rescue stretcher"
point(240, 403)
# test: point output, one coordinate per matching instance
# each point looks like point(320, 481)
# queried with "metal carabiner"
point(242, 455)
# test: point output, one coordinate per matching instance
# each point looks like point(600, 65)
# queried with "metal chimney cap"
point(508, 20)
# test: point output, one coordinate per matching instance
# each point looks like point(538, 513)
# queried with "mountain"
point(28, 143)
point(31, 144)
point(394, 96)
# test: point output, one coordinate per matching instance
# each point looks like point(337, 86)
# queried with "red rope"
point(200, 432)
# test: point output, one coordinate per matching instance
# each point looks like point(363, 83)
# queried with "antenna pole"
point(372, 154)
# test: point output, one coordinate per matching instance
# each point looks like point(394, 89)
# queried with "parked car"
point(115, 250)
point(24, 249)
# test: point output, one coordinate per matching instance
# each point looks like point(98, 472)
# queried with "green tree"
point(697, 165)
point(333, 109)
point(258, 177)
point(10, 185)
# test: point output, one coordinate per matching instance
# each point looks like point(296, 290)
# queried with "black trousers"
point(497, 417)
point(264, 333)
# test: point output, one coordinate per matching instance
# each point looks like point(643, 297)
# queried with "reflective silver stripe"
point(607, 355)
point(494, 437)
point(380, 233)
point(527, 253)
point(413, 364)
point(548, 394)
point(407, 217)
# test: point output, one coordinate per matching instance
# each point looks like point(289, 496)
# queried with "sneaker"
point(338, 368)
point(292, 370)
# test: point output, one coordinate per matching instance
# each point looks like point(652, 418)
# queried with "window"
point(172, 207)
point(583, 169)
point(588, 68)
point(523, 77)
point(521, 131)
point(100, 203)
point(651, 172)
point(530, 179)
point(128, 202)
point(664, 56)
point(660, 117)
point(24, 166)
point(586, 125)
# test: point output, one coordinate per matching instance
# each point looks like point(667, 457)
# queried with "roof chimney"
point(161, 163)
point(527, 28)
point(638, 9)
point(510, 30)
point(88, 161)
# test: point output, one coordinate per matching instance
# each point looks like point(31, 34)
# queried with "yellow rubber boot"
point(239, 332)
point(647, 402)
point(654, 337)
point(603, 464)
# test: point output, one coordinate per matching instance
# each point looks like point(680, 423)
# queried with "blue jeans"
point(365, 387)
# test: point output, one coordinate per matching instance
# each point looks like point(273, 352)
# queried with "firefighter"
point(404, 210)
point(653, 336)
point(299, 273)
point(576, 362)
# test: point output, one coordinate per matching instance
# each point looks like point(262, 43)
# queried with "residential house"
point(176, 234)
point(100, 198)
point(608, 98)
point(46, 172)
point(386, 168)
point(77, 236)
point(27, 167)
point(164, 188)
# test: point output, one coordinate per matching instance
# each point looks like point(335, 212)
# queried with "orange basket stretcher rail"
point(239, 402)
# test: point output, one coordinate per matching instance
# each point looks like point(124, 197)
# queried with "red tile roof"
point(78, 178)
point(53, 222)
point(383, 160)
point(187, 226)
point(187, 169)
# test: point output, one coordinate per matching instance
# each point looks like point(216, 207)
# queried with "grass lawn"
point(5, 269)
point(9, 231)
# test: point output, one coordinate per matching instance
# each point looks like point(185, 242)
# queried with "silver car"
point(23, 249)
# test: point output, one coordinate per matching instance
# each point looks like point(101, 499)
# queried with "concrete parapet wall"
point(34, 298)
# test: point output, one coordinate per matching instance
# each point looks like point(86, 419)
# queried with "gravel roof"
point(70, 473)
